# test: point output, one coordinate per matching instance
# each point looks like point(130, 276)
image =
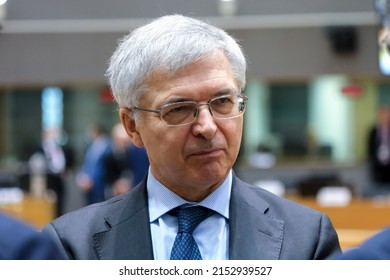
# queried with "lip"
point(207, 153)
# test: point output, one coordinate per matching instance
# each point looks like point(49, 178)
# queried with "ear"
point(130, 127)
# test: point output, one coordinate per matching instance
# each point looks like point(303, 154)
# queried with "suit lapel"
point(128, 236)
point(253, 234)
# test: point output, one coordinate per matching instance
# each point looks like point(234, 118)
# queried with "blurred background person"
point(377, 247)
point(139, 163)
point(52, 158)
point(19, 241)
point(379, 148)
point(125, 164)
point(91, 177)
point(58, 155)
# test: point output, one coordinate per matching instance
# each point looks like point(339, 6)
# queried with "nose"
point(204, 124)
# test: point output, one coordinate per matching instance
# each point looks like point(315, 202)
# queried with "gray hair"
point(168, 43)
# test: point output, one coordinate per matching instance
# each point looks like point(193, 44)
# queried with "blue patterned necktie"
point(185, 247)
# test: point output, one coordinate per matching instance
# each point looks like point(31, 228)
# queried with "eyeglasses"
point(185, 112)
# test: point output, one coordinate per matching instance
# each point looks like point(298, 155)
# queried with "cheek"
point(233, 133)
point(164, 143)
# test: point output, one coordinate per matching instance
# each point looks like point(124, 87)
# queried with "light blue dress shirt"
point(212, 235)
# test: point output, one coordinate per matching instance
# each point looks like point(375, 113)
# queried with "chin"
point(212, 175)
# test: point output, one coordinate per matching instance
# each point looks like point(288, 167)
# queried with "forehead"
point(211, 74)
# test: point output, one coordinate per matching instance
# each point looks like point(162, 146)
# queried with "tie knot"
point(190, 217)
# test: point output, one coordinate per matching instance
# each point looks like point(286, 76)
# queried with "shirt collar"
point(161, 200)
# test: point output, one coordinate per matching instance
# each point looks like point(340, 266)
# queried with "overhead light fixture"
point(227, 7)
point(3, 12)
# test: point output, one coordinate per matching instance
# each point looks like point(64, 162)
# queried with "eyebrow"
point(182, 99)
point(175, 100)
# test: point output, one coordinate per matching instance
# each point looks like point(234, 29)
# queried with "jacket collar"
point(253, 233)
point(128, 236)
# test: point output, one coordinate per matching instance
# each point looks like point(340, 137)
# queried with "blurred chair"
point(311, 185)
point(8, 180)
point(274, 186)
point(52, 185)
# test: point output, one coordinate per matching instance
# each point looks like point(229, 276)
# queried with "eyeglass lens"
point(223, 107)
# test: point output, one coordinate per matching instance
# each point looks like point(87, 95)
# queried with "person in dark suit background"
point(125, 164)
point(379, 148)
point(19, 241)
point(179, 85)
point(52, 158)
point(376, 247)
point(91, 178)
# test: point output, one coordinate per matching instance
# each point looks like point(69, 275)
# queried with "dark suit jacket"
point(261, 226)
point(19, 241)
point(380, 172)
point(375, 248)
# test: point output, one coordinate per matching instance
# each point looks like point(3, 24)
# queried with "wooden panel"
point(34, 211)
point(358, 214)
point(355, 222)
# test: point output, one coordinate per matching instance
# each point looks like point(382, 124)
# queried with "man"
point(379, 148)
point(375, 248)
point(19, 241)
point(91, 177)
point(125, 164)
point(178, 82)
point(53, 159)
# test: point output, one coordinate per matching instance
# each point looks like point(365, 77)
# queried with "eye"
point(176, 113)
point(177, 108)
point(223, 100)
point(222, 103)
